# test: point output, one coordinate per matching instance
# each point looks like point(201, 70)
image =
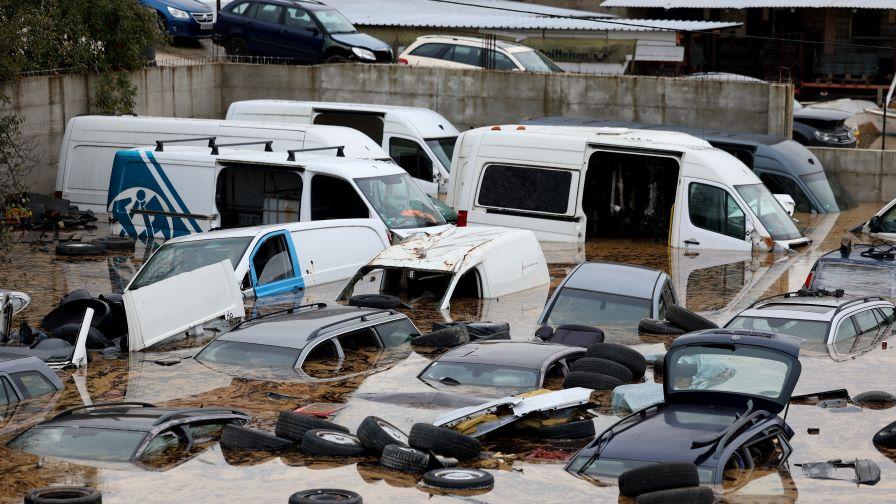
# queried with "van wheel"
point(235, 46)
point(63, 495)
point(75, 249)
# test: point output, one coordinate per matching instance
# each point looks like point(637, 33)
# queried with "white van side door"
point(410, 154)
point(709, 217)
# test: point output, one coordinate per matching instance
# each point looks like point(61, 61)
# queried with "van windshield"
point(175, 258)
point(399, 202)
point(443, 148)
point(770, 213)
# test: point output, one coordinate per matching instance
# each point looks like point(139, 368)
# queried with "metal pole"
point(883, 144)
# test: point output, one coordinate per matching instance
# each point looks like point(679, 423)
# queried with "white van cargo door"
point(164, 309)
point(709, 218)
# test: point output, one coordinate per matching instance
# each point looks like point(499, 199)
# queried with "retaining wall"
point(869, 175)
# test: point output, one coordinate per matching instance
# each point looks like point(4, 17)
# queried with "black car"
point(127, 432)
point(305, 31)
point(859, 269)
point(822, 127)
point(723, 390)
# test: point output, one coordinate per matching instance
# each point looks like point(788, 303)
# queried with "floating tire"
point(444, 441)
point(73, 313)
point(405, 459)
point(502, 335)
point(659, 327)
point(886, 437)
point(375, 434)
point(603, 366)
point(64, 495)
point(459, 479)
point(69, 333)
point(375, 301)
point(450, 336)
point(118, 243)
point(78, 249)
point(657, 477)
point(689, 495)
point(331, 443)
point(293, 426)
point(324, 495)
point(75, 295)
point(593, 381)
point(237, 437)
point(622, 354)
point(570, 430)
point(688, 320)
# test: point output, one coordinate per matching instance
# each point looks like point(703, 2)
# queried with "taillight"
point(461, 218)
point(402, 61)
point(808, 282)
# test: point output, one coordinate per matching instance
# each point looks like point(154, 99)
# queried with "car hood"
point(820, 114)
point(190, 5)
point(359, 39)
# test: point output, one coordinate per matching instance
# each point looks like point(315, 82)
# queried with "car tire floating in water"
point(77, 249)
point(444, 441)
point(117, 243)
point(324, 495)
point(688, 495)
point(593, 381)
point(459, 479)
point(293, 426)
point(404, 459)
point(622, 354)
point(657, 477)
point(658, 327)
point(64, 495)
point(336, 443)
point(688, 320)
point(236, 437)
point(375, 434)
point(603, 366)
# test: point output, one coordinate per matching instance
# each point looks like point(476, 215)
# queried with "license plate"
point(206, 26)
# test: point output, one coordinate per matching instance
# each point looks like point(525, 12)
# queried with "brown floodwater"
point(718, 284)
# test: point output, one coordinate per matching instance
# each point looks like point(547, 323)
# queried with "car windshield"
point(534, 61)
point(176, 258)
point(830, 193)
point(399, 202)
point(481, 375)
point(856, 279)
point(770, 212)
point(812, 331)
point(736, 369)
point(107, 445)
point(250, 355)
point(410, 285)
point(577, 306)
point(443, 148)
point(334, 22)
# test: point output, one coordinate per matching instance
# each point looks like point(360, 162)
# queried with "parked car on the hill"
point(184, 18)
point(450, 51)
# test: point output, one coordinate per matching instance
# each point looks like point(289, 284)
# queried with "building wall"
point(468, 98)
point(869, 175)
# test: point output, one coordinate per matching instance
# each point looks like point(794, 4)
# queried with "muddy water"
point(717, 284)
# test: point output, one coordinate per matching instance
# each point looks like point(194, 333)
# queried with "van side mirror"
point(875, 224)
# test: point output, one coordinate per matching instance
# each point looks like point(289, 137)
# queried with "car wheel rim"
point(457, 475)
point(337, 438)
point(393, 432)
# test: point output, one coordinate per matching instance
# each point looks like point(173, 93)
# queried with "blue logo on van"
point(143, 201)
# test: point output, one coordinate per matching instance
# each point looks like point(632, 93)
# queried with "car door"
point(274, 266)
point(710, 218)
point(844, 335)
point(300, 36)
point(263, 34)
point(8, 393)
point(883, 225)
point(430, 55)
point(414, 158)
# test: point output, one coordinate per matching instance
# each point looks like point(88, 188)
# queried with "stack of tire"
point(678, 321)
point(97, 246)
point(109, 321)
point(449, 335)
point(605, 366)
point(423, 448)
point(668, 483)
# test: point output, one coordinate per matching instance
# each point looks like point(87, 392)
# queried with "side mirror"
point(544, 332)
point(875, 224)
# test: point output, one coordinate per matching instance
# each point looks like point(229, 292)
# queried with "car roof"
point(126, 416)
point(854, 255)
point(622, 279)
point(820, 308)
point(305, 4)
point(297, 328)
point(521, 354)
point(253, 231)
point(501, 44)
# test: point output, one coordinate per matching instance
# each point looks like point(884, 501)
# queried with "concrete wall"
point(869, 175)
point(468, 98)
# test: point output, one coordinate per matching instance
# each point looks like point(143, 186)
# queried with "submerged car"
point(823, 127)
point(849, 324)
point(858, 269)
point(138, 433)
point(723, 390)
point(515, 366)
point(315, 342)
point(461, 262)
point(882, 225)
point(23, 378)
point(605, 294)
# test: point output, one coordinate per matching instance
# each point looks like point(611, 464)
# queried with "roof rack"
point(160, 144)
point(859, 300)
point(268, 145)
point(319, 306)
point(340, 151)
point(361, 318)
point(803, 292)
point(101, 405)
point(184, 412)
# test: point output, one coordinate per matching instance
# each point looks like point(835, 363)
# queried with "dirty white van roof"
point(254, 231)
point(428, 123)
point(672, 140)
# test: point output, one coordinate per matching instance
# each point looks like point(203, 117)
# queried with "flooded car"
point(723, 392)
point(858, 269)
point(23, 378)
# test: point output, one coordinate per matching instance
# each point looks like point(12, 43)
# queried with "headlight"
point(178, 13)
point(825, 136)
point(362, 53)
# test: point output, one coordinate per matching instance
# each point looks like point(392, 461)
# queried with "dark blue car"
point(304, 31)
point(184, 18)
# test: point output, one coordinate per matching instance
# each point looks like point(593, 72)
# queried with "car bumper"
point(190, 29)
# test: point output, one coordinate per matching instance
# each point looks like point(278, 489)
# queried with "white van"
point(90, 143)
point(571, 183)
point(173, 191)
point(418, 139)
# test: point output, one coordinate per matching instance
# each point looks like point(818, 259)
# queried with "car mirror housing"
point(874, 224)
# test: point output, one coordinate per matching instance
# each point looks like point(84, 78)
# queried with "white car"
point(447, 51)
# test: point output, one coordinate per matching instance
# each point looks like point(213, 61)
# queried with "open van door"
point(710, 218)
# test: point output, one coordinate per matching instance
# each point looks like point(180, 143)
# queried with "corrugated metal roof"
point(430, 14)
point(747, 4)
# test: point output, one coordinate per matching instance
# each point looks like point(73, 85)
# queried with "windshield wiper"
point(449, 381)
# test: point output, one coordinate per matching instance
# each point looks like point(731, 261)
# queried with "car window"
point(268, 13)
point(744, 370)
point(466, 55)
point(33, 384)
point(779, 184)
point(334, 22)
point(579, 306)
point(272, 261)
point(176, 258)
point(298, 18)
point(82, 442)
point(396, 332)
point(429, 50)
point(7, 395)
point(869, 324)
point(252, 196)
point(846, 332)
point(535, 61)
point(769, 211)
point(483, 375)
point(251, 355)
point(888, 221)
point(714, 209)
point(240, 8)
point(812, 331)
point(499, 61)
point(889, 314)
point(519, 188)
point(335, 198)
point(409, 155)
point(164, 445)
point(360, 351)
